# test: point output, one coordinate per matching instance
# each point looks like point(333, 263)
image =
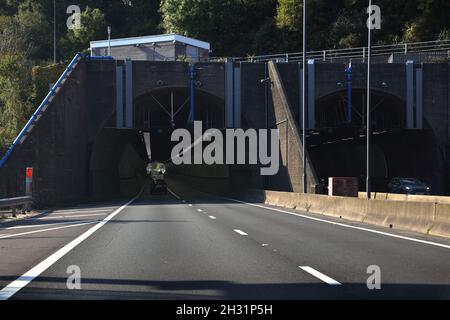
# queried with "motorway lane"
point(206, 247)
point(25, 243)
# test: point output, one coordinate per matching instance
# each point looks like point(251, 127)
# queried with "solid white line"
point(320, 276)
point(80, 211)
point(242, 233)
point(345, 225)
point(212, 217)
point(46, 225)
point(73, 225)
point(71, 216)
point(12, 288)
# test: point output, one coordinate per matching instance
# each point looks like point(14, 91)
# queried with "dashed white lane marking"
point(12, 288)
point(189, 205)
point(212, 217)
point(73, 225)
point(199, 210)
point(320, 276)
point(242, 233)
point(344, 225)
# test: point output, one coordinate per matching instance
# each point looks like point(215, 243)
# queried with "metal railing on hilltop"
point(350, 53)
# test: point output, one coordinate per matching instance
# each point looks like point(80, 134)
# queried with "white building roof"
point(151, 39)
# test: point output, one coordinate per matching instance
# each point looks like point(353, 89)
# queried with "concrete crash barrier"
point(424, 217)
point(406, 197)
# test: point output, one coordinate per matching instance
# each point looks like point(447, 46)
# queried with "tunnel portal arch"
point(162, 110)
point(388, 110)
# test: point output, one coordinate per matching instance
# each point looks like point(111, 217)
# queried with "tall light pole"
point(368, 124)
point(305, 187)
point(54, 31)
point(109, 41)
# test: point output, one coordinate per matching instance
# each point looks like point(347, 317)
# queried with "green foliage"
point(93, 26)
point(14, 104)
point(42, 77)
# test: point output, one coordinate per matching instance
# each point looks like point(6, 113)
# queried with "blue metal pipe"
point(33, 118)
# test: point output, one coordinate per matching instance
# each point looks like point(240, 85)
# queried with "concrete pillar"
point(311, 95)
point(128, 93)
point(237, 97)
point(419, 98)
point(119, 96)
point(229, 97)
point(409, 94)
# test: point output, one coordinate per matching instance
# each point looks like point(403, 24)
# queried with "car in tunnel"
point(158, 185)
point(408, 186)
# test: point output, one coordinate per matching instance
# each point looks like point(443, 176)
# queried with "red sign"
point(29, 173)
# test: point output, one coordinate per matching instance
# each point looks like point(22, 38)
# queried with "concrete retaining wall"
point(424, 217)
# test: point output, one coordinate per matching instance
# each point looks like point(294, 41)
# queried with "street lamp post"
point(305, 188)
point(109, 41)
point(368, 124)
point(54, 31)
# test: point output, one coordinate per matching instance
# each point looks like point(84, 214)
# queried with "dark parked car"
point(408, 186)
point(157, 184)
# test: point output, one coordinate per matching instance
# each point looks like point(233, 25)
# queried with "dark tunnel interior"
point(338, 147)
point(161, 111)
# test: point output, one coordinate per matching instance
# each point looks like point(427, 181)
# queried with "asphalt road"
point(188, 245)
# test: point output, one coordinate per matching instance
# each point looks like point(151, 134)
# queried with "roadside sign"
point(29, 182)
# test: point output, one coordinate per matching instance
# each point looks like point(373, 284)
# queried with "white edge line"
point(14, 287)
point(345, 225)
point(71, 216)
point(242, 233)
point(320, 276)
point(44, 225)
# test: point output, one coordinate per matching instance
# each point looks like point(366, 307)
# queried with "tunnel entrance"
point(388, 110)
point(338, 146)
point(161, 111)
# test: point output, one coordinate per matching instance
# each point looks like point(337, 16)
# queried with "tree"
point(93, 27)
point(229, 25)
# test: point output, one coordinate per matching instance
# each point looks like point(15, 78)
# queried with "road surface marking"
point(344, 225)
point(242, 233)
point(212, 217)
point(320, 276)
point(199, 210)
point(189, 205)
point(80, 211)
point(12, 288)
point(73, 225)
point(174, 194)
point(71, 216)
point(46, 225)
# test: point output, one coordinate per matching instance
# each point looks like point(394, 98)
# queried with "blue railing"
point(38, 111)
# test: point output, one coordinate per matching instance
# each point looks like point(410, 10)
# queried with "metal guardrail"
point(14, 203)
point(351, 53)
